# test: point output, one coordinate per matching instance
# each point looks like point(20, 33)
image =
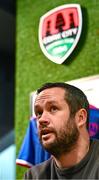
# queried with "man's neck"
point(74, 156)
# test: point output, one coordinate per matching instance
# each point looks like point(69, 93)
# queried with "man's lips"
point(45, 131)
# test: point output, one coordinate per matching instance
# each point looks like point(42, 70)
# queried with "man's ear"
point(81, 117)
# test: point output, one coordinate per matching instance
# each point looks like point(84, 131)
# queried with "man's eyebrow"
point(51, 101)
point(48, 102)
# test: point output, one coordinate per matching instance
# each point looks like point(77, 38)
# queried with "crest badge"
point(59, 32)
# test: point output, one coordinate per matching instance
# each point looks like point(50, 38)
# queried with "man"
point(62, 113)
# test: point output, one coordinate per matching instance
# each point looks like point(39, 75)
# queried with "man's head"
point(74, 97)
point(61, 110)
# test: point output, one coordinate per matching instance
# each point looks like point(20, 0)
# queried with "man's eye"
point(53, 109)
point(38, 114)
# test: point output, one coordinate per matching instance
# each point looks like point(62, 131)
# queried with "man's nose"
point(44, 119)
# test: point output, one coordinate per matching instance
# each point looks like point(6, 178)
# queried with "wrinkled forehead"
point(51, 94)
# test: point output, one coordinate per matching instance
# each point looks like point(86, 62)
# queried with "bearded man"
point(62, 113)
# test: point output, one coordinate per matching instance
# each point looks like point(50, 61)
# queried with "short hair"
point(75, 98)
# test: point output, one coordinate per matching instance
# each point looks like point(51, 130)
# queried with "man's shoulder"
point(95, 142)
point(95, 148)
point(44, 165)
point(39, 171)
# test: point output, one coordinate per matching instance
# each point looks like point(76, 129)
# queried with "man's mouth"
point(45, 131)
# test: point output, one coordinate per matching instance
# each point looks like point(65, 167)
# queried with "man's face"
point(57, 131)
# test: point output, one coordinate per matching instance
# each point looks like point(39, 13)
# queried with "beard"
point(64, 141)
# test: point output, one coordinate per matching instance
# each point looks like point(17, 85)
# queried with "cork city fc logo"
point(59, 32)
